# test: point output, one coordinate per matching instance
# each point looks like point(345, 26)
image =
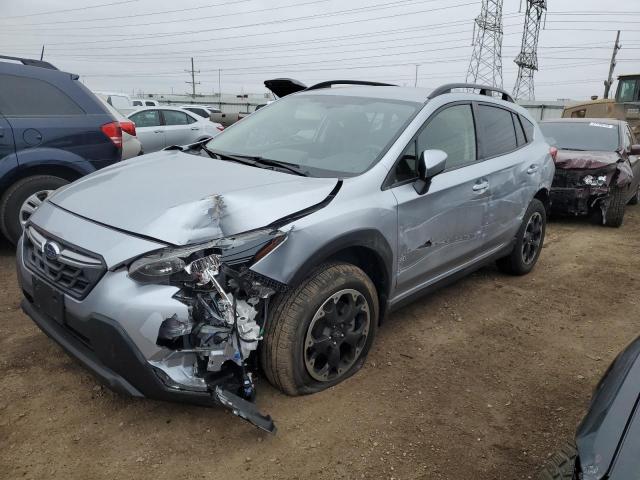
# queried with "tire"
point(615, 213)
point(529, 241)
point(16, 195)
point(561, 465)
point(290, 355)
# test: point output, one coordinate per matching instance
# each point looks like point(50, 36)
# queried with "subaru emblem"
point(51, 250)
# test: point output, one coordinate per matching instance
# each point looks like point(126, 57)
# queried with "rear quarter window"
point(30, 97)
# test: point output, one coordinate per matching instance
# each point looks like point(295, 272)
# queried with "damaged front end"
point(585, 185)
point(227, 305)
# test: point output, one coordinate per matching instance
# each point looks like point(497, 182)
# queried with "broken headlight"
point(593, 181)
point(201, 262)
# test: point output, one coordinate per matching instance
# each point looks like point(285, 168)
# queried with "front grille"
point(567, 178)
point(72, 269)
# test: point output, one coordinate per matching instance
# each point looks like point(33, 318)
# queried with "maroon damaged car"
point(597, 168)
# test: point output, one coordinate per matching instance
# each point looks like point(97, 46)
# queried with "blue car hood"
point(182, 198)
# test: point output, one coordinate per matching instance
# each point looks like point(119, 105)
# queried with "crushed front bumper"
point(576, 200)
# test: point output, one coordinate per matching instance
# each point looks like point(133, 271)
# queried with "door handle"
point(481, 186)
point(195, 128)
point(532, 169)
point(157, 131)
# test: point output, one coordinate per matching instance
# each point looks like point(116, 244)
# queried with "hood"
point(576, 159)
point(281, 87)
point(181, 198)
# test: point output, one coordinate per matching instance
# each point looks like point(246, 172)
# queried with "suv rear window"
point(30, 97)
point(499, 132)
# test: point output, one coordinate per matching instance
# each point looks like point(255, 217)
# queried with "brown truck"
point(625, 106)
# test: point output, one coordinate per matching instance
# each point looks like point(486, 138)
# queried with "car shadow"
point(6, 248)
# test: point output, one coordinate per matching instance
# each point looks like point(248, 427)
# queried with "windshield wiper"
point(256, 161)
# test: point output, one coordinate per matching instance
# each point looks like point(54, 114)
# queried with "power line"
point(52, 12)
point(172, 21)
point(244, 35)
point(120, 17)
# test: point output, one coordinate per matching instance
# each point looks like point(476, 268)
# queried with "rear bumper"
point(575, 201)
point(108, 352)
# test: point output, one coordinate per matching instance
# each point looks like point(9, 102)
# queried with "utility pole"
point(527, 59)
point(609, 82)
point(485, 66)
point(42, 52)
point(415, 84)
point(193, 82)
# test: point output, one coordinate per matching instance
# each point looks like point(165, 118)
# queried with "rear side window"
point(30, 97)
point(520, 136)
point(150, 104)
point(171, 117)
point(499, 132)
point(528, 128)
point(451, 130)
point(146, 118)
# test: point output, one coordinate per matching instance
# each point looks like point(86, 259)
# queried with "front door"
point(442, 230)
point(180, 129)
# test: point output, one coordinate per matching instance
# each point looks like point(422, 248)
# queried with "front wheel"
point(22, 199)
point(319, 333)
point(529, 241)
point(562, 465)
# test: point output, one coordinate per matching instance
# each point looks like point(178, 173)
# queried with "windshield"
point(326, 135)
point(593, 136)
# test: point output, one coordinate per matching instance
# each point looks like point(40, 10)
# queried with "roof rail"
point(329, 83)
point(30, 62)
point(484, 90)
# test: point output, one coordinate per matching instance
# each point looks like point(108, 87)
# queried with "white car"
point(160, 127)
point(131, 146)
point(139, 102)
point(204, 111)
point(120, 101)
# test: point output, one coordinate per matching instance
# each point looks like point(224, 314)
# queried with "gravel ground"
point(481, 380)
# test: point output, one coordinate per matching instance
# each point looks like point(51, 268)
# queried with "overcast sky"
point(145, 45)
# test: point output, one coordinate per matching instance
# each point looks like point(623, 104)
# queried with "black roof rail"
point(30, 62)
point(484, 90)
point(329, 83)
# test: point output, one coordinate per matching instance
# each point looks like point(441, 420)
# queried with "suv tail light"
point(129, 127)
point(113, 132)
point(554, 153)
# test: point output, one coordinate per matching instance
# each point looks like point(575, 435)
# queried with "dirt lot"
point(481, 380)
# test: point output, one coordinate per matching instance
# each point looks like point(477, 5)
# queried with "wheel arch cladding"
point(367, 249)
point(543, 196)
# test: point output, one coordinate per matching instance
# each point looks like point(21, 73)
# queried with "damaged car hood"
point(182, 198)
point(576, 159)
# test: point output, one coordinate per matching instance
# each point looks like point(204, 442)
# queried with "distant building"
point(228, 103)
point(545, 110)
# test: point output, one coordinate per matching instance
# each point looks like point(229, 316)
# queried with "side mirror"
point(635, 150)
point(430, 164)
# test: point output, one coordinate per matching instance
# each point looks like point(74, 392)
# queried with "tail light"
point(113, 132)
point(554, 153)
point(129, 127)
point(220, 127)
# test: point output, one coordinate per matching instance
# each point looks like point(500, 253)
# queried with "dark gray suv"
point(284, 241)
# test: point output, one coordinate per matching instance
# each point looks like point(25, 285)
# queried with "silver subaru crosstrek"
point(283, 242)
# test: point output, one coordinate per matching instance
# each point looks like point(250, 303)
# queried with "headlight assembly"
point(200, 263)
point(593, 181)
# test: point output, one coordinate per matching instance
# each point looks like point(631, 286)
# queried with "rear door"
point(513, 175)
point(180, 128)
point(7, 147)
point(149, 129)
point(440, 231)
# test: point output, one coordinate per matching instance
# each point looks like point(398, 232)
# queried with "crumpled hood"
point(575, 159)
point(181, 198)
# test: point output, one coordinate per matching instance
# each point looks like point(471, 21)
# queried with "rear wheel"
point(22, 199)
point(319, 333)
point(562, 465)
point(529, 241)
